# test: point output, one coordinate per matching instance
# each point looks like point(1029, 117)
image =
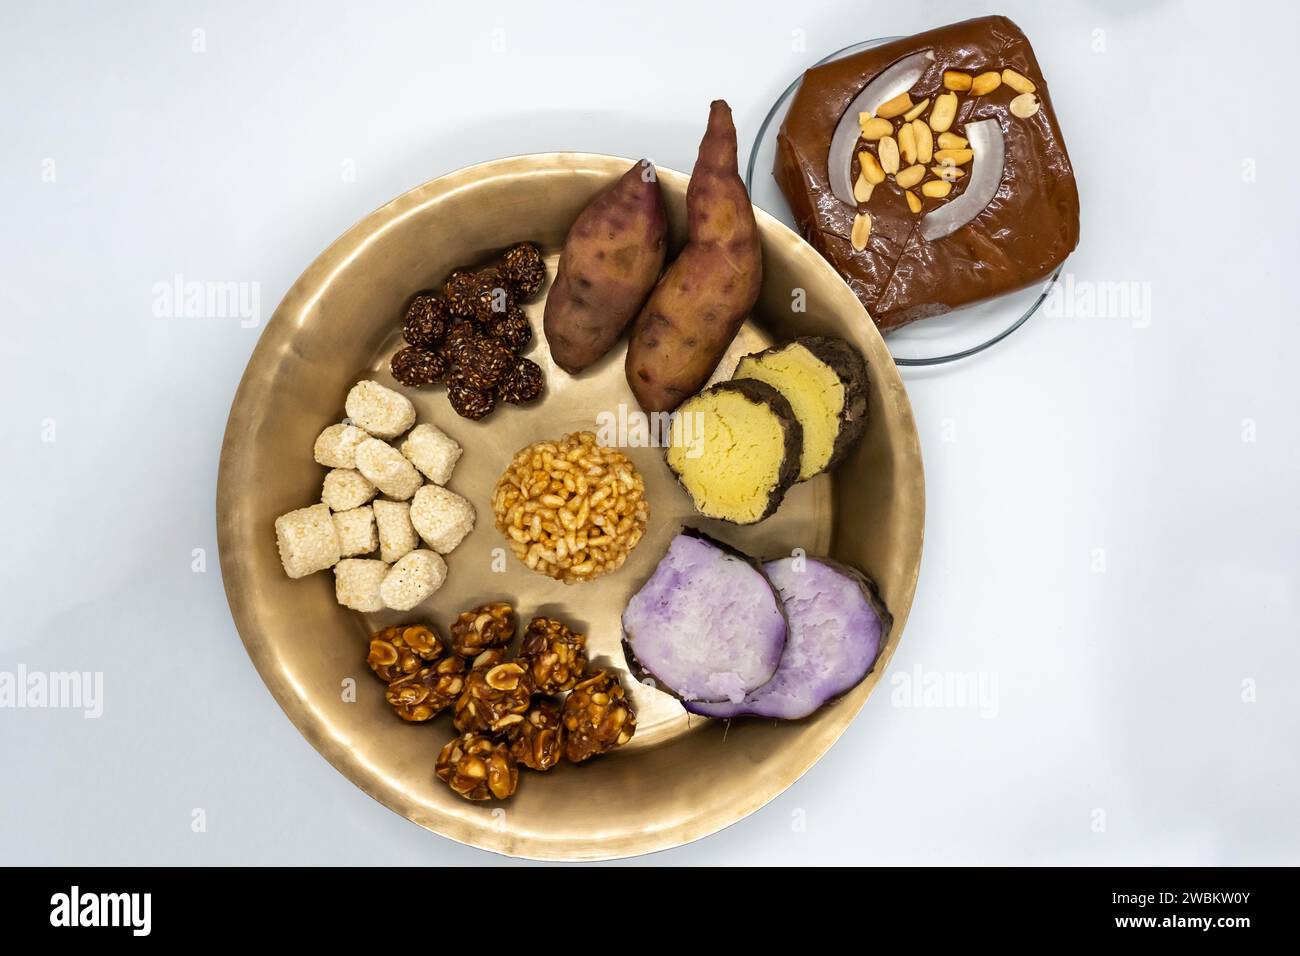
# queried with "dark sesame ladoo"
point(493, 294)
point(466, 400)
point(460, 290)
point(418, 367)
point(524, 269)
point(426, 320)
point(484, 363)
point(460, 338)
point(469, 334)
point(523, 383)
point(512, 327)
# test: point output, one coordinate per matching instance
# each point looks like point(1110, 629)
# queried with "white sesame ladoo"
point(397, 536)
point(432, 451)
point(357, 582)
point(379, 410)
point(336, 446)
point(307, 540)
point(413, 579)
point(442, 517)
point(345, 489)
point(384, 466)
point(356, 530)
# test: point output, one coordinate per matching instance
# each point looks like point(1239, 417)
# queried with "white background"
point(1145, 713)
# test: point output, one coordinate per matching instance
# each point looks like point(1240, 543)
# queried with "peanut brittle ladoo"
point(931, 171)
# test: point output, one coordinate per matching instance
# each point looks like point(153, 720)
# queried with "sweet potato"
point(825, 381)
point(612, 255)
point(698, 306)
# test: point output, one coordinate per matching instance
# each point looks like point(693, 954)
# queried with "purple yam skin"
point(837, 627)
point(707, 625)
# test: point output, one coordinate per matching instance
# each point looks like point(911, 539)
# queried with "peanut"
point(871, 168)
point(899, 105)
point(907, 143)
point(1024, 106)
point(944, 112)
point(910, 176)
point(861, 231)
point(873, 128)
point(1017, 81)
point(956, 80)
point(924, 141)
point(985, 83)
point(888, 150)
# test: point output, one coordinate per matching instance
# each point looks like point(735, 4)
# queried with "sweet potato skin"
point(613, 253)
point(699, 305)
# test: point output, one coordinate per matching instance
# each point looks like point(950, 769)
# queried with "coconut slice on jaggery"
point(736, 448)
point(825, 381)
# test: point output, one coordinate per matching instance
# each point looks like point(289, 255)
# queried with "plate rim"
point(261, 651)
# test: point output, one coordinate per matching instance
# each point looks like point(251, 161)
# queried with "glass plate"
point(946, 338)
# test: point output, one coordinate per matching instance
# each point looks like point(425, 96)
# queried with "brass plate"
point(679, 779)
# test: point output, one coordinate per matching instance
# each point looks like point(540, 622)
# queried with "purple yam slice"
point(707, 625)
point(837, 627)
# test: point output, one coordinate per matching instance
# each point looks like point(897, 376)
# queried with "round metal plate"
point(679, 779)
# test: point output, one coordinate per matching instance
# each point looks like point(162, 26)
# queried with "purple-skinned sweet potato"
point(699, 305)
point(707, 625)
point(613, 253)
point(837, 625)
